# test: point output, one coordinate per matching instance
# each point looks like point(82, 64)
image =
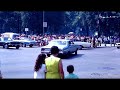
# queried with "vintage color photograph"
point(59, 44)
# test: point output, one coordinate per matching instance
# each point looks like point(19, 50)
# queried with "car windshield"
point(58, 43)
point(7, 39)
point(24, 38)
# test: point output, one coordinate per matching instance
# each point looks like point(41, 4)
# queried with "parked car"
point(26, 42)
point(83, 44)
point(66, 47)
point(118, 45)
point(7, 42)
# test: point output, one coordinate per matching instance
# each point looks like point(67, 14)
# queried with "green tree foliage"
point(80, 22)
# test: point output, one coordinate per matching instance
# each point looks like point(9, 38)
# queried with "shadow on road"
point(87, 48)
point(72, 56)
point(31, 47)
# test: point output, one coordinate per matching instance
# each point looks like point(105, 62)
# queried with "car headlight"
point(60, 51)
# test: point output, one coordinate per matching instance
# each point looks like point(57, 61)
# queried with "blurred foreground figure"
point(40, 68)
point(54, 65)
point(70, 70)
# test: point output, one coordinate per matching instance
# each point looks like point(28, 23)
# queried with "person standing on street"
point(40, 68)
point(105, 40)
point(70, 69)
point(54, 65)
point(93, 42)
point(111, 41)
point(99, 41)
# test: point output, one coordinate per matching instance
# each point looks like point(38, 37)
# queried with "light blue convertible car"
point(27, 42)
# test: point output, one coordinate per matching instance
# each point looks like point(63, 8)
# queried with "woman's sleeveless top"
point(52, 66)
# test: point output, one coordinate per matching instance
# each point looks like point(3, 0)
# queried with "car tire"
point(67, 55)
point(6, 46)
point(17, 47)
point(3, 46)
point(30, 45)
point(24, 45)
point(76, 52)
point(118, 47)
point(81, 47)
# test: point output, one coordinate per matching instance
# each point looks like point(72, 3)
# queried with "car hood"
point(25, 40)
point(59, 46)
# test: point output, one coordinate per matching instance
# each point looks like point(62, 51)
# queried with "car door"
point(71, 46)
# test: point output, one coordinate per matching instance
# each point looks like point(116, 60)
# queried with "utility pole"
point(43, 22)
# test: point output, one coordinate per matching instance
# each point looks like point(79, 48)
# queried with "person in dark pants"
point(105, 41)
point(93, 42)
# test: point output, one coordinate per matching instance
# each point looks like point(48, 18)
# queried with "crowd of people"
point(95, 40)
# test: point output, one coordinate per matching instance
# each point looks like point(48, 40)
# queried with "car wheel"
point(30, 45)
point(24, 45)
point(60, 55)
point(6, 46)
point(17, 47)
point(81, 47)
point(118, 47)
point(3, 46)
point(67, 55)
point(76, 52)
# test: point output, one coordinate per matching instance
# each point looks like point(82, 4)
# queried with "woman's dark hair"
point(39, 61)
point(70, 68)
point(54, 50)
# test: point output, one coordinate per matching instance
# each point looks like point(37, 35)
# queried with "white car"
point(83, 44)
point(66, 47)
point(118, 45)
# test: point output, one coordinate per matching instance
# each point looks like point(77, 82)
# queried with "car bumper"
point(48, 52)
point(45, 52)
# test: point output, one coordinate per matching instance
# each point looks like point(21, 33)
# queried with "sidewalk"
point(107, 45)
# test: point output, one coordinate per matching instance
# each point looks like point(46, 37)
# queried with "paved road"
point(102, 62)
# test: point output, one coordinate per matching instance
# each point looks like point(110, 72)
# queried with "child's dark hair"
point(54, 50)
point(39, 61)
point(70, 68)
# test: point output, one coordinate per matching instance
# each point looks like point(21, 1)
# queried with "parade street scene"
point(59, 45)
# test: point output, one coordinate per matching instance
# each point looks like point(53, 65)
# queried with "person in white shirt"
point(100, 41)
point(40, 67)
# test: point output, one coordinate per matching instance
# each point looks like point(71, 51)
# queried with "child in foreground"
point(70, 69)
